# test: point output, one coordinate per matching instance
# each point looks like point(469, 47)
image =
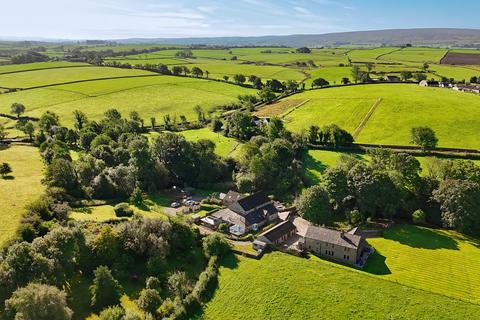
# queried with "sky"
point(120, 19)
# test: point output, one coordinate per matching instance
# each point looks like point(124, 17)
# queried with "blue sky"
point(114, 19)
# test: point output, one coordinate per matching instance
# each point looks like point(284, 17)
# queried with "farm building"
point(248, 213)
point(342, 246)
point(428, 83)
point(391, 78)
point(467, 88)
point(276, 235)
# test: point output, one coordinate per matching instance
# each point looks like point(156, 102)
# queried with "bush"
point(123, 210)
point(112, 313)
point(419, 217)
point(215, 244)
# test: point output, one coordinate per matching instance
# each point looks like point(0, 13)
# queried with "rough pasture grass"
point(23, 188)
point(58, 76)
point(333, 75)
point(224, 146)
point(39, 66)
point(439, 261)
point(369, 55)
point(281, 286)
point(150, 96)
point(419, 55)
point(126, 47)
point(454, 116)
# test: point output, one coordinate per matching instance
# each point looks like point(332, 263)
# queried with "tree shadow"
point(8, 178)
point(423, 238)
point(376, 264)
point(85, 210)
point(312, 164)
point(230, 261)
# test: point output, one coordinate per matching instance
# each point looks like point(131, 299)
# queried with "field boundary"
point(49, 68)
point(286, 113)
point(367, 117)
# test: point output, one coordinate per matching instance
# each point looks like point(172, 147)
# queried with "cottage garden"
point(144, 259)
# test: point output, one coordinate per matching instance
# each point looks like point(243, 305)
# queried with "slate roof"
point(250, 202)
point(232, 196)
point(278, 231)
point(335, 237)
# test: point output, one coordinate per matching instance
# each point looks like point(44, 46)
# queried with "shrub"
point(419, 217)
point(112, 313)
point(123, 210)
point(215, 244)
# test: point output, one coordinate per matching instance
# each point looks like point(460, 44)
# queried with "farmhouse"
point(276, 235)
point(248, 213)
point(230, 197)
point(428, 83)
point(337, 245)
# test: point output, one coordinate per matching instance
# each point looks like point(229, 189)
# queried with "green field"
point(418, 55)
point(150, 96)
point(224, 146)
point(444, 262)
point(280, 286)
point(369, 55)
point(62, 75)
point(454, 116)
point(458, 73)
point(39, 66)
point(20, 189)
point(333, 75)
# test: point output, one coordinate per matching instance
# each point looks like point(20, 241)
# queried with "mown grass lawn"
point(280, 286)
point(443, 262)
point(20, 188)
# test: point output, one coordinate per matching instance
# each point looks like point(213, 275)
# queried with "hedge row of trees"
point(390, 186)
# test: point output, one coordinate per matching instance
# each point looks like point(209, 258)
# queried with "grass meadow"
point(454, 116)
point(369, 55)
point(281, 286)
point(224, 146)
point(39, 66)
point(443, 262)
point(20, 188)
point(57, 76)
point(418, 55)
point(150, 96)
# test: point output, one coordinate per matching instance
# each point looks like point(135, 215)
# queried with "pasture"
point(452, 115)
point(9, 68)
point(20, 188)
point(224, 146)
point(443, 262)
point(416, 55)
point(281, 286)
point(36, 78)
point(369, 55)
point(150, 96)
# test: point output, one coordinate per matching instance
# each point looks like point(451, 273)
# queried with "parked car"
point(175, 204)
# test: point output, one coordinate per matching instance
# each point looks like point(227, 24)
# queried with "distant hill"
point(427, 36)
